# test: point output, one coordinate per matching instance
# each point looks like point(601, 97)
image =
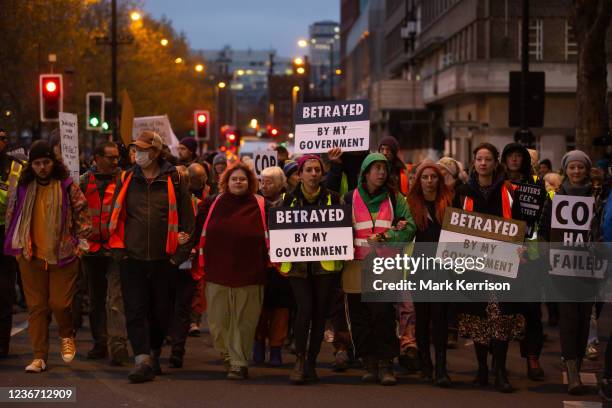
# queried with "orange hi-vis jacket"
point(468, 202)
point(117, 221)
point(100, 212)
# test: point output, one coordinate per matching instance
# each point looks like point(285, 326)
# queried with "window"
point(571, 46)
point(536, 39)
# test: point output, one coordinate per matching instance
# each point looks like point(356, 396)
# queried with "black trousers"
point(436, 314)
point(608, 360)
point(146, 298)
point(313, 296)
point(574, 322)
point(342, 337)
point(373, 328)
point(183, 288)
point(96, 268)
point(533, 342)
point(8, 275)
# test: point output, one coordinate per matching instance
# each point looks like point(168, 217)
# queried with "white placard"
point(263, 159)
point(572, 212)
point(159, 125)
point(69, 141)
point(311, 244)
point(500, 258)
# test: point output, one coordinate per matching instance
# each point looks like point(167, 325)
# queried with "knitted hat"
point(190, 143)
point(40, 150)
point(290, 168)
point(576, 155)
point(391, 142)
point(219, 159)
point(302, 160)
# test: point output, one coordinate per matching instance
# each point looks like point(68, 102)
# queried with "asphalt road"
point(201, 382)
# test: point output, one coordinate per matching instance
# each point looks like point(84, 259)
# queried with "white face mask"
point(143, 159)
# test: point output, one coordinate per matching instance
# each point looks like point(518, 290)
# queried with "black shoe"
point(371, 374)
point(442, 378)
point(605, 392)
point(534, 370)
point(155, 362)
point(482, 354)
point(238, 373)
point(120, 357)
point(98, 352)
point(409, 359)
point(341, 361)
point(501, 381)
point(310, 370)
point(426, 365)
point(297, 375)
point(141, 373)
point(574, 383)
point(176, 360)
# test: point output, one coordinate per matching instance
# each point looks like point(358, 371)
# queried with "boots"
point(259, 352)
point(482, 378)
point(310, 371)
point(371, 366)
point(500, 350)
point(385, 372)
point(426, 364)
point(574, 383)
point(442, 378)
point(534, 370)
point(276, 357)
point(297, 375)
point(155, 354)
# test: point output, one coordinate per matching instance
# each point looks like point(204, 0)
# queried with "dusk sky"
point(259, 24)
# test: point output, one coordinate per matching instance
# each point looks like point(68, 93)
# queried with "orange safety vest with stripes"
point(100, 212)
point(506, 196)
point(117, 221)
point(262, 209)
point(364, 225)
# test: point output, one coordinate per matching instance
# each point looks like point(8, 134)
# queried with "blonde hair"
point(277, 174)
point(553, 181)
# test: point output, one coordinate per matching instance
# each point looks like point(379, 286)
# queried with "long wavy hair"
point(59, 172)
point(416, 198)
point(251, 177)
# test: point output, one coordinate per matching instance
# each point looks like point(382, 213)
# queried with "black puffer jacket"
point(146, 224)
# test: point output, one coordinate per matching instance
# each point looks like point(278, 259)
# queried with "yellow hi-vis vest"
point(7, 187)
point(330, 266)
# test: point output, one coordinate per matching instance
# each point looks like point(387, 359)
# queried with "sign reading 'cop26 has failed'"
point(322, 126)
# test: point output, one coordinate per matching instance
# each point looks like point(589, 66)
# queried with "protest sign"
point(476, 235)
point(321, 126)
point(69, 141)
point(531, 200)
point(571, 221)
point(264, 159)
point(311, 234)
point(159, 125)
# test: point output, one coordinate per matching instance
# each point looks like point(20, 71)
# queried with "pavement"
point(201, 382)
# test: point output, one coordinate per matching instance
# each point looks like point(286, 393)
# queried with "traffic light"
point(51, 97)
point(201, 124)
point(272, 131)
point(106, 123)
point(95, 110)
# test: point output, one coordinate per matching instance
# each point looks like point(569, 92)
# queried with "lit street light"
point(179, 60)
point(135, 16)
point(164, 42)
point(199, 68)
point(300, 70)
point(298, 61)
point(302, 43)
point(221, 85)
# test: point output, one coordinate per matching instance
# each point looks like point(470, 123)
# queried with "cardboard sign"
point(264, 159)
point(159, 125)
point(311, 234)
point(476, 235)
point(569, 235)
point(322, 126)
point(69, 141)
point(531, 199)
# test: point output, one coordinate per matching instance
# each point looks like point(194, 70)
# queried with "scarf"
point(311, 198)
point(373, 202)
point(584, 190)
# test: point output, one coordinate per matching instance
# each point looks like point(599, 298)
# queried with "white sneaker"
point(68, 349)
point(37, 365)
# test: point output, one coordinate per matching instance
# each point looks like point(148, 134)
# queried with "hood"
point(371, 158)
point(517, 147)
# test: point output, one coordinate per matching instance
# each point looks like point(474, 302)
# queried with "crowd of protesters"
point(160, 240)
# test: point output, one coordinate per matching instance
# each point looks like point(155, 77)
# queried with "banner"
point(159, 125)
point(69, 141)
point(571, 221)
point(322, 126)
point(531, 199)
point(263, 159)
point(311, 234)
point(475, 235)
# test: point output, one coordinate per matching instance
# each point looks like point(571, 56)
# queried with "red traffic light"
point(50, 97)
point(51, 86)
point(231, 137)
point(201, 124)
point(274, 132)
point(202, 118)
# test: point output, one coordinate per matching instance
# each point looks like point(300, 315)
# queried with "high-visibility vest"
point(116, 225)
point(100, 213)
point(8, 187)
point(262, 210)
point(404, 182)
point(468, 202)
point(364, 226)
point(330, 266)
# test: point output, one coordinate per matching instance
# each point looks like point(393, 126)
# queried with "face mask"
point(143, 159)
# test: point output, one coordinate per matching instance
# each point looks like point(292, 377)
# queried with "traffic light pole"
point(114, 44)
point(524, 64)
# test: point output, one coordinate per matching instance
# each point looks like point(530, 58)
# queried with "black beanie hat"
point(40, 149)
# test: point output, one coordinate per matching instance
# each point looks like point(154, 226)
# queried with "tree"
point(591, 20)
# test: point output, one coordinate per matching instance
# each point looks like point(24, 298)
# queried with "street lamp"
point(298, 61)
point(164, 42)
point(221, 85)
point(135, 16)
point(300, 70)
point(302, 43)
point(178, 60)
point(199, 68)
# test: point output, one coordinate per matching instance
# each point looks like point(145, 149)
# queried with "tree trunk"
point(591, 19)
